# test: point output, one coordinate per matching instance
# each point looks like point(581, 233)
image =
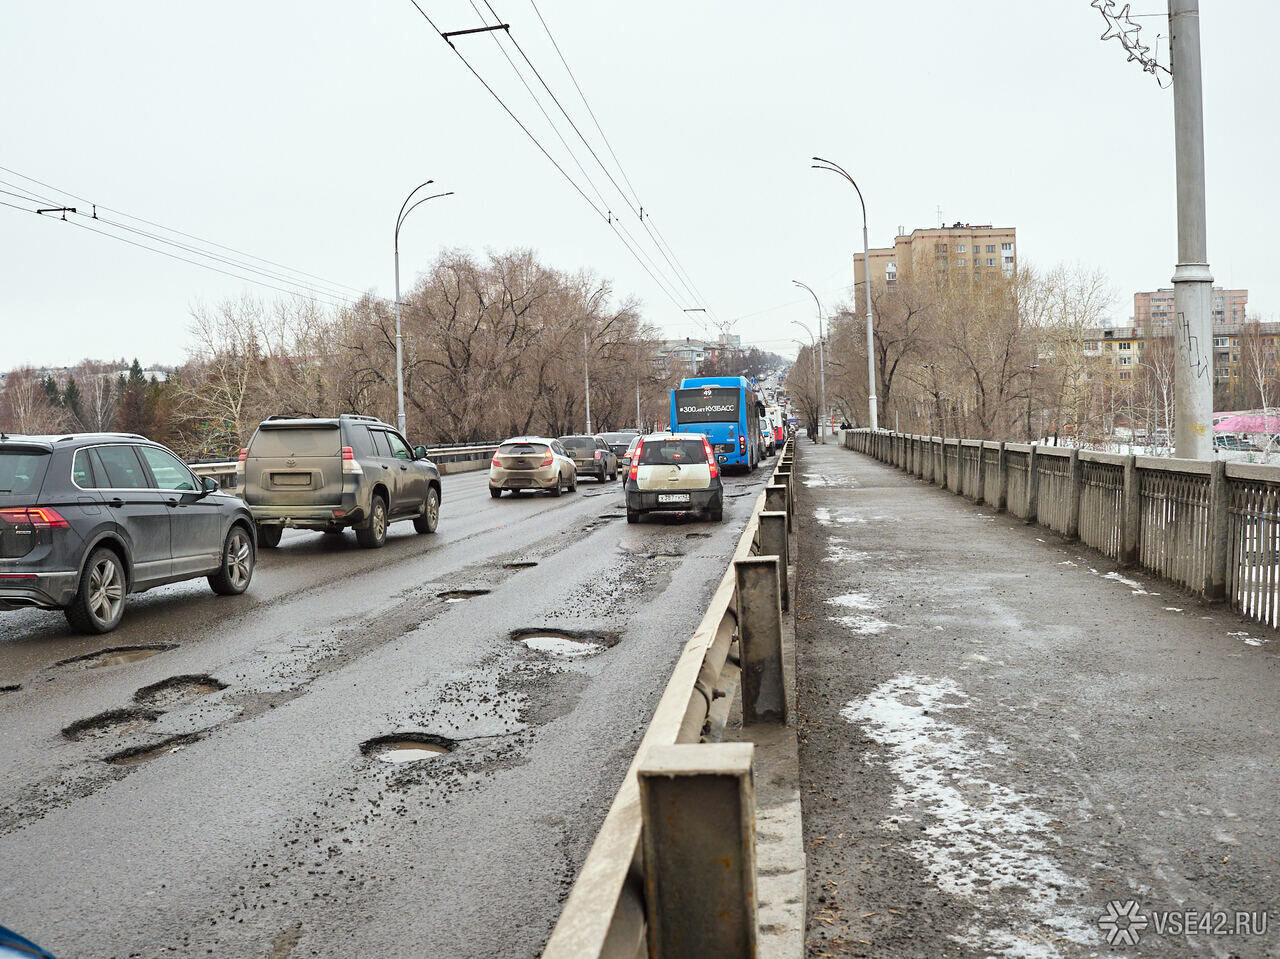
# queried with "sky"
point(294, 131)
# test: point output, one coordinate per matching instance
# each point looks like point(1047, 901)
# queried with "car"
point(1235, 443)
point(592, 456)
point(673, 472)
point(624, 461)
point(531, 462)
point(336, 473)
point(620, 442)
point(89, 518)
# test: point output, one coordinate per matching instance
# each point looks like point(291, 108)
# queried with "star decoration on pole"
point(1120, 26)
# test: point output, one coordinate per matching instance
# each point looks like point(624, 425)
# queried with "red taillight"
point(348, 454)
point(244, 454)
point(495, 462)
point(742, 444)
point(597, 456)
point(711, 458)
point(38, 517)
point(635, 459)
point(551, 458)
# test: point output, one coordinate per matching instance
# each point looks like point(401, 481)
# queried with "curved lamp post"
point(405, 210)
point(822, 367)
point(821, 164)
point(812, 350)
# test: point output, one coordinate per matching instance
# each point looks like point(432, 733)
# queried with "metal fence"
point(1211, 527)
point(448, 459)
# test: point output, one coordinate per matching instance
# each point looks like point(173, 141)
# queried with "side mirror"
point(209, 484)
point(419, 452)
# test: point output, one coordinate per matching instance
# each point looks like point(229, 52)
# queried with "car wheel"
point(573, 484)
point(269, 536)
point(716, 513)
point(375, 534)
point(232, 577)
point(633, 516)
point(99, 601)
point(430, 518)
point(495, 491)
point(556, 490)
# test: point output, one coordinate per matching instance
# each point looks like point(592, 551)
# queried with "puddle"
point(525, 565)
point(407, 747)
point(697, 535)
point(461, 595)
point(118, 655)
point(177, 690)
point(114, 722)
point(142, 754)
point(563, 643)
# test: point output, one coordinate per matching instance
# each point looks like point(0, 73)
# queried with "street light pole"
point(1192, 281)
point(822, 164)
point(586, 372)
point(405, 210)
point(822, 387)
point(822, 369)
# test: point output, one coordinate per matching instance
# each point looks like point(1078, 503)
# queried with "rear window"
point(672, 452)
point(576, 444)
point(522, 449)
point(296, 441)
point(22, 471)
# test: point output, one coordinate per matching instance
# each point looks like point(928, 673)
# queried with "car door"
point(412, 481)
point(139, 511)
point(388, 470)
point(608, 455)
point(195, 523)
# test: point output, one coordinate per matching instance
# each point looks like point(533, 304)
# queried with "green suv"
point(346, 472)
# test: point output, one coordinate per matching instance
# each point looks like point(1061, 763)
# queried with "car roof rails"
point(296, 415)
point(359, 416)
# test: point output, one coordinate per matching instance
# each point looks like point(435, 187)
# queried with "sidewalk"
point(1001, 734)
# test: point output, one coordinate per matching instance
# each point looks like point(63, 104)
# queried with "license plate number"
point(673, 497)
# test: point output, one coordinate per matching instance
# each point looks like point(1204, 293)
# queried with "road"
point(1002, 734)
point(259, 828)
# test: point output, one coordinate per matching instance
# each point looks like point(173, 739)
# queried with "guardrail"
point(1212, 527)
point(448, 459)
point(671, 873)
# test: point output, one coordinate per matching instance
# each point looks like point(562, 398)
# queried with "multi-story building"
point(1153, 309)
point(1119, 350)
point(962, 249)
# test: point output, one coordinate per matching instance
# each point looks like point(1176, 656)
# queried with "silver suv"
point(333, 474)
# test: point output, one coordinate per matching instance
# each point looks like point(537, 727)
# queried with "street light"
point(822, 164)
point(822, 368)
point(405, 210)
point(812, 351)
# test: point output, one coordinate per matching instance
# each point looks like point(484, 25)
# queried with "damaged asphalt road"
point(1002, 735)
point(405, 751)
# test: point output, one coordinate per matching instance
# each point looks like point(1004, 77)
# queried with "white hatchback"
point(673, 473)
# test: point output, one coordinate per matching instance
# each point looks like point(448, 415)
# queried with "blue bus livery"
point(725, 409)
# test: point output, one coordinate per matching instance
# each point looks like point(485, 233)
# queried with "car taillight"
point(37, 517)
point(711, 459)
point(495, 462)
point(635, 460)
point(348, 453)
point(551, 458)
point(349, 463)
point(597, 456)
point(244, 454)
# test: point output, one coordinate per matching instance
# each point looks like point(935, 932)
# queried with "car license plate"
point(673, 497)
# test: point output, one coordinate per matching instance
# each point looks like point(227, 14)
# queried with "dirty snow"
point(1131, 583)
point(1250, 640)
point(980, 836)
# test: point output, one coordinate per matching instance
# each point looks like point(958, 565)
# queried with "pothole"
point(114, 722)
point(461, 595)
point(697, 535)
point(178, 689)
point(118, 655)
point(521, 565)
point(609, 516)
point(671, 555)
point(11, 688)
point(407, 747)
point(142, 754)
point(564, 643)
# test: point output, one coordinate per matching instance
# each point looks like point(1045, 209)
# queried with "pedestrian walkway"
point(1011, 748)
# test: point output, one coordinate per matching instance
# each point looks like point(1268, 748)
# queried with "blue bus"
point(726, 410)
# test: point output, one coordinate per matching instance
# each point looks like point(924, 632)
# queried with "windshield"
point(296, 441)
point(22, 471)
point(672, 453)
point(578, 444)
point(708, 404)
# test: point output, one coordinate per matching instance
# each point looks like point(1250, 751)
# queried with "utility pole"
point(1192, 281)
point(405, 210)
point(822, 369)
point(586, 376)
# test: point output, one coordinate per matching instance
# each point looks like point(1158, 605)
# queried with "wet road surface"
point(200, 788)
point(1002, 734)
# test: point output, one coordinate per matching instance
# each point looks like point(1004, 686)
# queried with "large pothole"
point(564, 643)
point(461, 595)
point(10, 688)
point(526, 564)
point(114, 722)
point(118, 655)
point(142, 754)
point(407, 747)
point(177, 690)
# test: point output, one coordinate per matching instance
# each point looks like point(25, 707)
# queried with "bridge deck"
point(1002, 733)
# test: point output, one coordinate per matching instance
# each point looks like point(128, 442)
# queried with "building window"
point(991, 247)
point(960, 248)
point(1124, 361)
point(1221, 341)
point(991, 260)
point(962, 260)
point(1124, 374)
point(1126, 346)
point(1006, 247)
point(941, 248)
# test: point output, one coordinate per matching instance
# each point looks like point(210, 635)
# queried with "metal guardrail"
point(225, 473)
point(1211, 527)
point(630, 890)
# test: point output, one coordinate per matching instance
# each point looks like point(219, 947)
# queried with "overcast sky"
point(294, 131)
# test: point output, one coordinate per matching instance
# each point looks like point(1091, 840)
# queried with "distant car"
point(592, 456)
point(1233, 443)
point(673, 472)
point(336, 473)
point(531, 462)
point(624, 461)
point(88, 518)
point(620, 442)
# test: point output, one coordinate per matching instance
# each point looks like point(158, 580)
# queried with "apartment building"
point(1153, 309)
point(1237, 349)
point(959, 250)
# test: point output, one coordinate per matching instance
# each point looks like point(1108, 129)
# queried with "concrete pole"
point(1192, 281)
point(586, 376)
point(871, 342)
point(822, 384)
point(399, 346)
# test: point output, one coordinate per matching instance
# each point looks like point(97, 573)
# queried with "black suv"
point(89, 518)
point(332, 474)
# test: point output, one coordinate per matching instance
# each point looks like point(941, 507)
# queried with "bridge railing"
point(1211, 527)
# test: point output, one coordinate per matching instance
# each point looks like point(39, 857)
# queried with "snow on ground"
point(980, 837)
point(863, 622)
point(1244, 637)
point(1132, 584)
point(837, 552)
